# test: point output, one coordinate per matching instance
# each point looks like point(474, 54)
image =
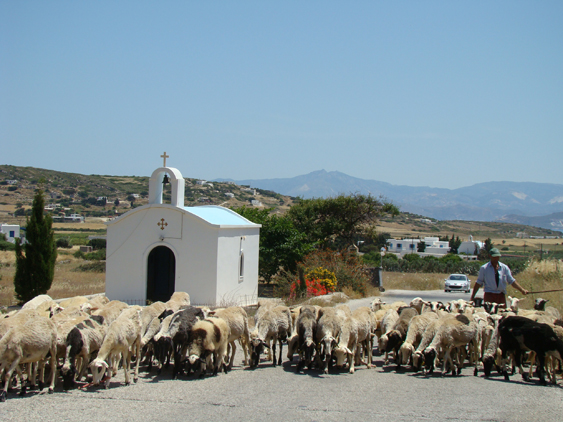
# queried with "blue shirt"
point(488, 278)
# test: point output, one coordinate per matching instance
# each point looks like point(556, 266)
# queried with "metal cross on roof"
point(165, 157)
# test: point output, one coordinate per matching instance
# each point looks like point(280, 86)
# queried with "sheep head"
point(98, 368)
point(341, 353)
point(540, 304)
point(429, 358)
point(405, 352)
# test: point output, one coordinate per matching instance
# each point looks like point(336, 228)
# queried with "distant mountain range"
point(536, 204)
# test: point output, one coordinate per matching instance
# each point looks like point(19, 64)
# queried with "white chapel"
point(207, 251)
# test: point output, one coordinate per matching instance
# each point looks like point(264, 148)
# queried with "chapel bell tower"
point(177, 184)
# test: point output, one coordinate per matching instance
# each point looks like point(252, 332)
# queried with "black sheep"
point(519, 334)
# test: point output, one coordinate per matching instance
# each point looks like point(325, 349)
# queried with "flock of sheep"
point(81, 335)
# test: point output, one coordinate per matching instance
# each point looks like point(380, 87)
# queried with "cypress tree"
point(35, 260)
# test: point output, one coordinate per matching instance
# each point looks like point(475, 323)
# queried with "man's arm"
point(474, 292)
point(519, 287)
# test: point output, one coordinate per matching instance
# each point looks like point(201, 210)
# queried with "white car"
point(457, 282)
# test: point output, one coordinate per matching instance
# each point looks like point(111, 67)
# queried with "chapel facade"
point(208, 251)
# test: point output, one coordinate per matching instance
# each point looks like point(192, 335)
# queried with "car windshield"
point(457, 277)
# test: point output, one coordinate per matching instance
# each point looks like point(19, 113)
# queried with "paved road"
point(279, 394)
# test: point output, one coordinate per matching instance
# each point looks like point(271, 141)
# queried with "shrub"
point(346, 266)
point(372, 258)
point(451, 258)
point(95, 267)
point(412, 257)
point(6, 246)
point(97, 255)
point(97, 244)
point(64, 242)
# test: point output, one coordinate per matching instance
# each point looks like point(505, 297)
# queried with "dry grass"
point(67, 281)
point(542, 275)
point(415, 281)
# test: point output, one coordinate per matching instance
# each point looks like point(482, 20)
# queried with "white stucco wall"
point(9, 229)
point(207, 255)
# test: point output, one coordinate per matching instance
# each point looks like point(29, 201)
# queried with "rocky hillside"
point(98, 195)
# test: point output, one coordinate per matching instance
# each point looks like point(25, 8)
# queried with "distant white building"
point(434, 246)
point(74, 218)
point(229, 195)
point(470, 246)
point(11, 231)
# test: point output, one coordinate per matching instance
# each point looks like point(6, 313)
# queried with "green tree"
point(421, 247)
point(488, 244)
point(35, 260)
point(281, 244)
point(484, 251)
point(454, 244)
point(338, 222)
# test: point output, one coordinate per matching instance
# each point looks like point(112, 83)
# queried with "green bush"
point(451, 258)
point(6, 246)
point(95, 267)
point(391, 257)
point(97, 244)
point(372, 258)
point(98, 255)
point(412, 257)
point(64, 242)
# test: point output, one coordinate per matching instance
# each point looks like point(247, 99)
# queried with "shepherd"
point(495, 275)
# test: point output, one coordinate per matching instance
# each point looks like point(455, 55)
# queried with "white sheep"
point(427, 337)
point(275, 325)
point(178, 300)
point(387, 323)
point(98, 302)
point(452, 332)
point(74, 301)
point(82, 341)
point(397, 335)
point(237, 319)
point(347, 342)
point(418, 303)
point(377, 304)
point(28, 343)
point(329, 326)
point(366, 323)
point(123, 337)
point(415, 332)
point(304, 338)
point(111, 310)
point(209, 338)
point(36, 301)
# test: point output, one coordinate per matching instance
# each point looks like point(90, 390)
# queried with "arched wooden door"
point(161, 274)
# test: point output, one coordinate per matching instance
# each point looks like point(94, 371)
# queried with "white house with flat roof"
point(402, 247)
point(11, 231)
point(208, 251)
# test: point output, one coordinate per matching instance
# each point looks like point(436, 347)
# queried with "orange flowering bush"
point(313, 287)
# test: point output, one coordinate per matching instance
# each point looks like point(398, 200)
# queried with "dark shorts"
point(499, 298)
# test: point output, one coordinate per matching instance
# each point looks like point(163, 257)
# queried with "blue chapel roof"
point(214, 214)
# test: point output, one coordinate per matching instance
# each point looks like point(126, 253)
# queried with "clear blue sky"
point(421, 93)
